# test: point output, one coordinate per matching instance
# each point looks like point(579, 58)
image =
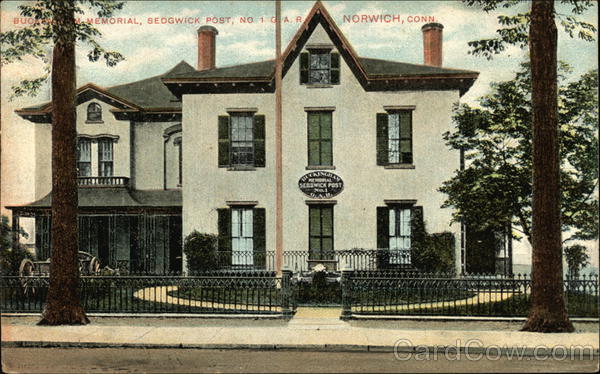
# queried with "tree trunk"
point(547, 311)
point(63, 304)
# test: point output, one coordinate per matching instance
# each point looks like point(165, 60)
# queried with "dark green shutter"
point(383, 236)
point(223, 141)
point(382, 139)
point(335, 68)
point(259, 237)
point(259, 140)
point(304, 67)
point(224, 241)
point(417, 229)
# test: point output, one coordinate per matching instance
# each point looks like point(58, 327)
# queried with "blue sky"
point(153, 49)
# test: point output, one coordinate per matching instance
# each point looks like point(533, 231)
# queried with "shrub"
point(201, 252)
point(10, 258)
point(435, 253)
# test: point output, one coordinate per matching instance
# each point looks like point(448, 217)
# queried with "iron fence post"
point(346, 293)
point(286, 292)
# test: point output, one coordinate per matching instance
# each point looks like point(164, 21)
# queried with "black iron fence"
point(215, 293)
point(399, 293)
point(357, 258)
point(390, 292)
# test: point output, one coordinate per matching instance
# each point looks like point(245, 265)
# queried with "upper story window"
point(84, 157)
point(320, 139)
point(394, 138)
point(94, 112)
point(105, 157)
point(319, 67)
point(179, 144)
point(242, 140)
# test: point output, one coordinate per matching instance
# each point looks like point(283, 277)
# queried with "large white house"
point(194, 149)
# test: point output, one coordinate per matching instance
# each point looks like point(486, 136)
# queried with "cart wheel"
point(26, 268)
point(94, 266)
point(25, 272)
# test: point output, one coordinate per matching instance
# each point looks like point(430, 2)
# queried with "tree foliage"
point(515, 28)
point(11, 257)
point(36, 39)
point(577, 258)
point(494, 189)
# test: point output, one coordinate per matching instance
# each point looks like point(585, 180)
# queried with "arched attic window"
point(94, 113)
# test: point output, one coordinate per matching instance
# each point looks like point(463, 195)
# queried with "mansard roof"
point(373, 74)
point(140, 97)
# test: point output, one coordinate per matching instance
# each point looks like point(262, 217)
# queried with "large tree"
point(494, 189)
point(537, 28)
point(56, 25)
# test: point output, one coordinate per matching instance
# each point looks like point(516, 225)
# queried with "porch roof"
point(113, 198)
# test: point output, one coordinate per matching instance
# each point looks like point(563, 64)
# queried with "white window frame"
point(400, 234)
point(242, 236)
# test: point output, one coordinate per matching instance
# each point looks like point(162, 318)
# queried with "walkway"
point(163, 294)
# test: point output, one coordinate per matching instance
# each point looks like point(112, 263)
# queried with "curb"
point(364, 317)
point(279, 316)
point(404, 351)
point(162, 316)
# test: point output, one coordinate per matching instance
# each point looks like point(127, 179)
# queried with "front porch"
point(134, 231)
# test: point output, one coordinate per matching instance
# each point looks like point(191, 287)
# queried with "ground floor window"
point(396, 223)
point(399, 235)
point(241, 237)
point(320, 232)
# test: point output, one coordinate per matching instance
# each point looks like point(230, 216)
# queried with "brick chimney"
point(432, 44)
point(206, 47)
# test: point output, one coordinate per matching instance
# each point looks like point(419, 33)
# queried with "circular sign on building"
point(321, 184)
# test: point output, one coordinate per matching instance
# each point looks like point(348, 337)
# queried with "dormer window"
point(319, 66)
point(94, 113)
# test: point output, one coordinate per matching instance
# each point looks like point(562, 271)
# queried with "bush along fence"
point(212, 293)
point(394, 293)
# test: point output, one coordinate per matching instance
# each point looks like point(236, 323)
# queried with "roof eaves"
point(217, 79)
point(424, 76)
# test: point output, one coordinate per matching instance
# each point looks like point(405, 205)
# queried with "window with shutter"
point(242, 140)
point(242, 236)
point(399, 235)
point(320, 151)
point(394, 138)
point(319, 67)
point(320, 224)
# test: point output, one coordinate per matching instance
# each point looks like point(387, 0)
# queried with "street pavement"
point(144, 360)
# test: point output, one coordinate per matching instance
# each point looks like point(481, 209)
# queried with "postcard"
point(294, 177)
